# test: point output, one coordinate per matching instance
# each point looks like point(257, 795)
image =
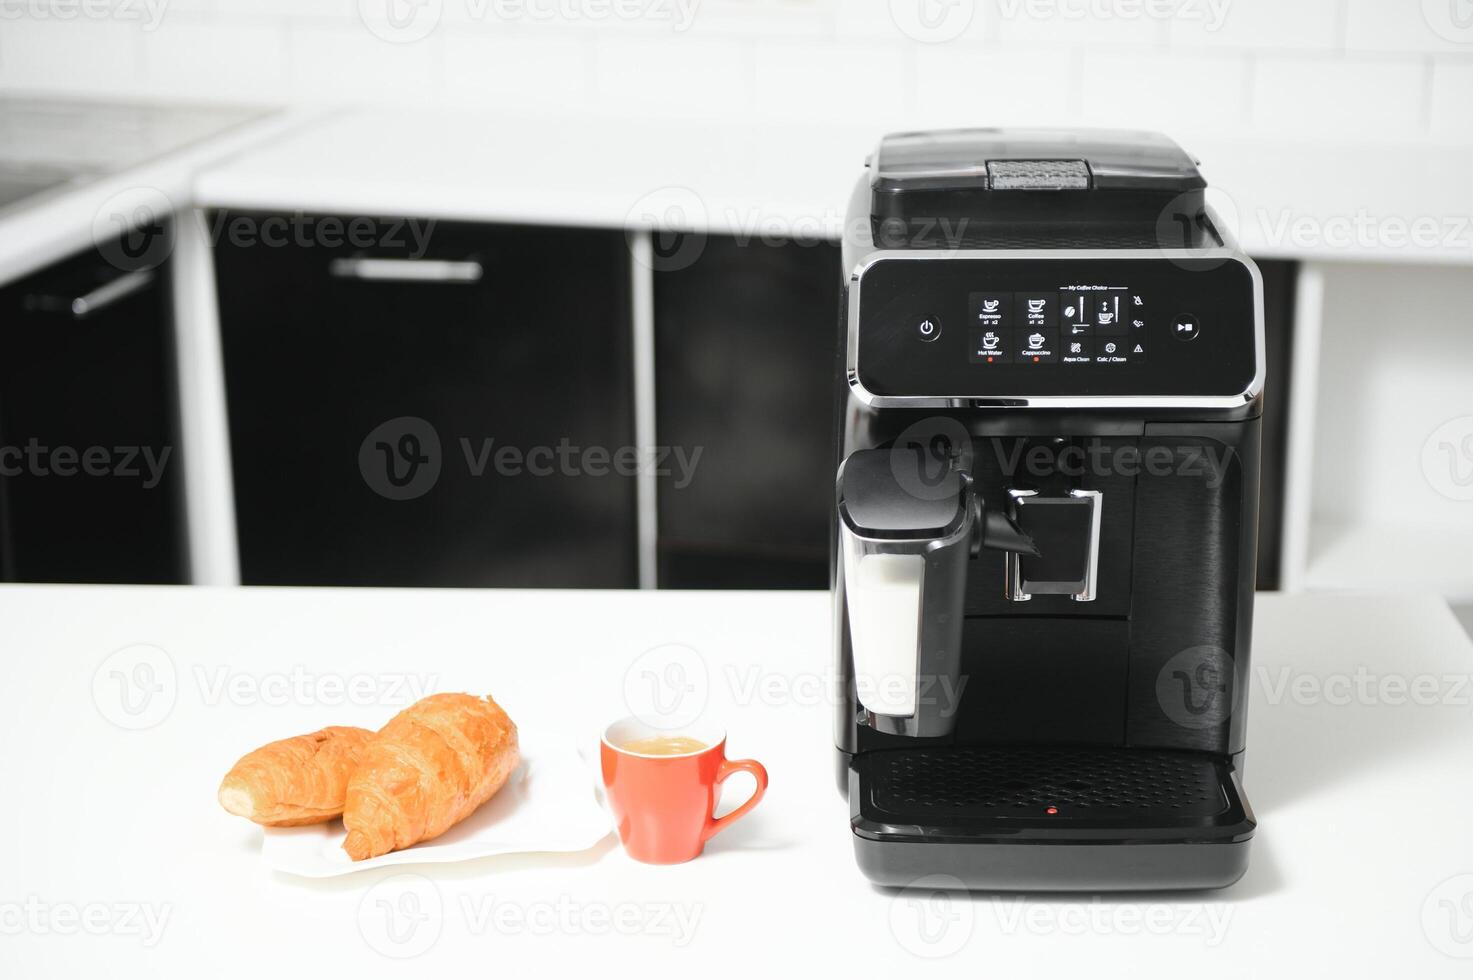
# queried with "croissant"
point(295, 781)
point(429, 768)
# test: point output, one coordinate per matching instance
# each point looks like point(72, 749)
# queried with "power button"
point(928, 329)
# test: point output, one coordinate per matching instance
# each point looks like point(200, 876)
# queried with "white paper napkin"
point(547, 805)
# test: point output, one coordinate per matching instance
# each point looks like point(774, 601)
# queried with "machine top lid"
point(1033, 159)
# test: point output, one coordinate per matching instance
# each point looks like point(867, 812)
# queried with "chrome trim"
point(871, 400)
point(405, 270)
point(1092, 568)
point(110, 292)
point(1012, 575)
point(1013, 570)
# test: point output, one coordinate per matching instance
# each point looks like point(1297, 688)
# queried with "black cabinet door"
point(447, 413)
point(91, 486)
point(744, 364)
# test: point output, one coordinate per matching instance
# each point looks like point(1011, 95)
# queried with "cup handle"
point(729, 766)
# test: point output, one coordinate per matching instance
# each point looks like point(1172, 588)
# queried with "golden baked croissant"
point(295, 781)
point(427, 770)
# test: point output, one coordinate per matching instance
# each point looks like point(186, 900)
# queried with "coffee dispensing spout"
point(996, 531)
point(905, 545)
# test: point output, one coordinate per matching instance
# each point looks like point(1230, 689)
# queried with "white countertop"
point(1363, 807)
point(127, 164)
point(1307, 200)
point(1285, 199)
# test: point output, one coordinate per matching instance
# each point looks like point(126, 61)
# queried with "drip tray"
point(1107, 784)
point(1179, 818)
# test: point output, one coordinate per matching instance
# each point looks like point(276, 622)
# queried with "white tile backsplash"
point(1371, 70)
point(327, 10)
point(1083, 22)
point(928, 24)
point(800, 81)
point(530, 70)
point(350, 64)
point(761, 19)
point(685, 75)
point(1193, 90)
point(985, 85)
point(1356, 99)
point(1452, 101)
point(248, 64)
point(1314, 25)
point(1411, 26)
point(74, 57)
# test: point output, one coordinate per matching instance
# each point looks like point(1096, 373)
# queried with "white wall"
point(1397, 71)
point(1394, 367)
point(1393, 433)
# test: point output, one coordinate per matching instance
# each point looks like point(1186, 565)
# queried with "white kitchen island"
point(127, 705)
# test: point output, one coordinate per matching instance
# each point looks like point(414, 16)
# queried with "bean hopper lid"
point(1036, 188)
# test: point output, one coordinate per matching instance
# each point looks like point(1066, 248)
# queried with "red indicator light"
point(1052, 810)
point(1035, 360)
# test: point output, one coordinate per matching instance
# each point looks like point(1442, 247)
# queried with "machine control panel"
point(1152, 327)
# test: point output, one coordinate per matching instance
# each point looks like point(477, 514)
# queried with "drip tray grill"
point(995, 781)
point(1049, 818)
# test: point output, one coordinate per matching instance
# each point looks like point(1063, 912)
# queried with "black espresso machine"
point(1045, 515)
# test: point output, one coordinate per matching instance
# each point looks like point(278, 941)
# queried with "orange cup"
point(665, 804)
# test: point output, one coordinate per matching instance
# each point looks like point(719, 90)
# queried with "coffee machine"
point(1045, 521)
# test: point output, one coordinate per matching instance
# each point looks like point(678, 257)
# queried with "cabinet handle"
point(405, 270)
point(95, 301)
